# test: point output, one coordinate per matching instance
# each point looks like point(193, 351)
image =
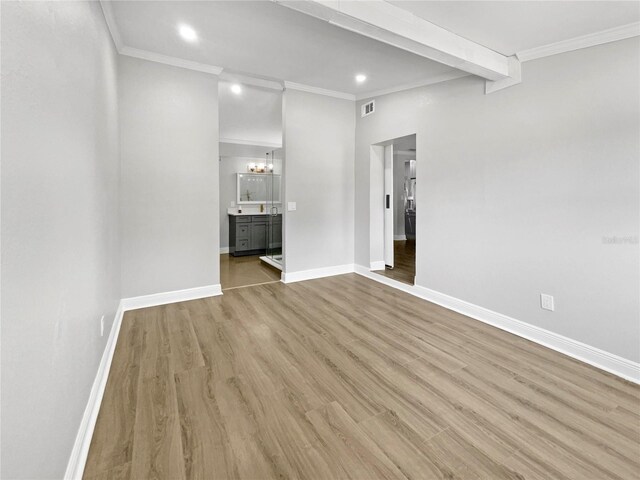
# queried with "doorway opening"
point(393, 176)
point(250, 182)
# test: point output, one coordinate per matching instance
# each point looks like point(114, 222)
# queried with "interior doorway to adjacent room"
point(250, 182)
point(393, 176)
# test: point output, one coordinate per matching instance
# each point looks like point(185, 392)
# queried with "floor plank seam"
point(252, 285)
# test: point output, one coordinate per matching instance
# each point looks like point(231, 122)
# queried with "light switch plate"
point(546, 302)
point(291, 206)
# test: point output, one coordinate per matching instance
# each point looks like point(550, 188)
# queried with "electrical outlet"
point(546, 302)
point(102, 326)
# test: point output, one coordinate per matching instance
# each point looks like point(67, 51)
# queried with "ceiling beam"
point(387, 23)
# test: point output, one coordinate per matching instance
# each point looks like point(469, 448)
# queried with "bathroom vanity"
point(249, 233)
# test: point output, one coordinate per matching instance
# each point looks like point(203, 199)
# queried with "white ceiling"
point(268, 40)
point(255, 115)
point(509, 27)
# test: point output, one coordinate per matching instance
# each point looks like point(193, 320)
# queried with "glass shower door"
point(274, 207)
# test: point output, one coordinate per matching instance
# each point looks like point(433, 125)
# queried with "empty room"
point(320, 240)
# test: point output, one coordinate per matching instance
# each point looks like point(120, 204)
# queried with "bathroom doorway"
point(250, 182)
point(250, 190)
point(395, 163)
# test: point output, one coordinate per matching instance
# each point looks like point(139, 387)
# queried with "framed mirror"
point(256, 188)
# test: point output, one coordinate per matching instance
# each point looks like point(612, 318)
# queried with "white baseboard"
point(78, 458)
point(224, 250)
point(596, 357)
point(133, 303)
point(316, 273)
point(606, 361)
point(399, 237)
point(379, 265)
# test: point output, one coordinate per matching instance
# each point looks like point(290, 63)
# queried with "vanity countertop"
point(245, 214)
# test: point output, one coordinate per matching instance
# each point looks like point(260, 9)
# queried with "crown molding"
point(445, 77)
point(584, 41)
point(167, 60)
point(248, 80)
point(255, 158)
point(318, 91)
point(250, 142)
point(122, 49)
point(576, 43)
point(387, 23)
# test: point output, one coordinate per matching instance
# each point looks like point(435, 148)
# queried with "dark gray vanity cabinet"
point(248, 234)
point(258, 235)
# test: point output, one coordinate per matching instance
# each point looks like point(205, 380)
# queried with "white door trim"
point(388, 206)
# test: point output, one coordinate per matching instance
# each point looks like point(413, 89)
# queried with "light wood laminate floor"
point(404, 260)
point(343, 377)
point(244, 271)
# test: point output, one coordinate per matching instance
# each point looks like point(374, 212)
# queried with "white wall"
point(518, 188)
point(318, 171)
point(60, 252)
point(170, 198)
point(254, 116)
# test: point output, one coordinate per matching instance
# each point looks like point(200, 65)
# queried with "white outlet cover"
point(102, 326)
point(291, 206)
point(546, 302)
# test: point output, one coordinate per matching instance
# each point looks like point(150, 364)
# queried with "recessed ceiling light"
point(188, 33)
point(360, 78)
point(237, 89)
